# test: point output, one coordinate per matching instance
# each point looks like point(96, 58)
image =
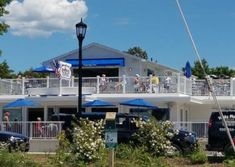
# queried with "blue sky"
point(154, 25)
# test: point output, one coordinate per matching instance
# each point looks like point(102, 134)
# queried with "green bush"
point(229, 163)
point(198, 156)
point(153, 136)
point(87, 145)
point(87, 140)
point(15, 159)
point(136, 156)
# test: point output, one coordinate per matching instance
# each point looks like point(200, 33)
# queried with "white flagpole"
point(207, 77)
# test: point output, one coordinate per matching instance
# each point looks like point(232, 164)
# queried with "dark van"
point(183, 141)
point(217, 136)
point(125, 126)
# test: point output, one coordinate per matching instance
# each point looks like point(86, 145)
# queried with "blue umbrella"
point(21, 103)
point(43, 69)
point(187, 70)
point(98, 103)
point(138, 103)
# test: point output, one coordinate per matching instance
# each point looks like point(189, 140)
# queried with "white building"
point(186, 100)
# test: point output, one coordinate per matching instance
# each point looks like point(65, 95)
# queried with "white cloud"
point(44, 17)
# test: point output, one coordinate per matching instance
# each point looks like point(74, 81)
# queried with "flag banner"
point(62, 69)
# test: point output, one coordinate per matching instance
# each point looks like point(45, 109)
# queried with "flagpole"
point(207, 77)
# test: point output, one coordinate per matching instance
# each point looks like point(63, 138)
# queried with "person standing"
point(38, 127)
point(103, 82)
point(167, 83)
point(137, 82)
point(155, 82)
point(6, 120)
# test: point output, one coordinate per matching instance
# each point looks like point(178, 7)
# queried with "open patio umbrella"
point(97, 103)
point(187, 70)
point(138, 103)
point(43, 69)
point(21, 103)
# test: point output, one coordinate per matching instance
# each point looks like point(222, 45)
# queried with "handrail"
point(120, 85)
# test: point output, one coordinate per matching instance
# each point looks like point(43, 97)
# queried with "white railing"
point(200, 128)
point(123, 84)
point(34, 129)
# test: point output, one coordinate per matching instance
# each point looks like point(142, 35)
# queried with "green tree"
point(3, 25)
point(30, 73)
point(5, 71)
point(137, 51)
point(197, 69)
point(221, 71)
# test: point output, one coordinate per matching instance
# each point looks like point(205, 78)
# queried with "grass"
point(43, 160)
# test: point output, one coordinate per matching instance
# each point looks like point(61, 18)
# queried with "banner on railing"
point(62, 69)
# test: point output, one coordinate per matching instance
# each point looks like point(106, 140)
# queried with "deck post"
point(98, 84)
point(124, 84)
point(178, 83)
point(23, 81)
point(48, 79)
point(231, 86)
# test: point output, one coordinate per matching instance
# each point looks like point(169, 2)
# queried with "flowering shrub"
point(87, 140)
point(154, 136)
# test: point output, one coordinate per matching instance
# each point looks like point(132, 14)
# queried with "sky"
point(43, 29)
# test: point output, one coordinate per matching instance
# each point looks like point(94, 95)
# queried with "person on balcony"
point(167, 83)
point(103, 82)
point(137, 82)
point(155, 83)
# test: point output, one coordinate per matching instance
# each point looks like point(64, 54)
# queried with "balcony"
point(114, 85)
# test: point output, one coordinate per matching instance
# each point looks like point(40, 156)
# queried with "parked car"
point(14, 141)
point(217, 136)
point(183, 141)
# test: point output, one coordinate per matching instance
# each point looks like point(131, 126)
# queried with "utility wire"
point(207, 77)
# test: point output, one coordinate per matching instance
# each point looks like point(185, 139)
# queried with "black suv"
point(217, 136)
point(14, 141)
point(183, 141)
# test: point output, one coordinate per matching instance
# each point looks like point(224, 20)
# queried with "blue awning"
point(98, 62)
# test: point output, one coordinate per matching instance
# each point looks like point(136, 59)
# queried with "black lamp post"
point(81, 32)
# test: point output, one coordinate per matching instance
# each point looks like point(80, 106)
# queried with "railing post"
point(11, 87)
point(98, 84)
point(150, 84)
point(178, 83)
point(60, 86)
point(48, 82)
point(231, 86)
point(205, 130)
point(124, 84)
point(185, 85)
point(31, 130)
point(72, 81)
point(23, 81)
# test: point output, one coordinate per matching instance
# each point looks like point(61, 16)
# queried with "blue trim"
point(98, 62)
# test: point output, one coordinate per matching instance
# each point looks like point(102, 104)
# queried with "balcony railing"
point(33, 129)
point(50, 129)
point(112, 85)
point(200, 128)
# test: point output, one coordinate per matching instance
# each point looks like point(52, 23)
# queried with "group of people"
point(153, 81)
point(8, 126)
point(46, 130)
point(39, 129)
point(138, 83)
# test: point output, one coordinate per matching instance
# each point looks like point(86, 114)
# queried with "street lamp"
point(81, 32)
